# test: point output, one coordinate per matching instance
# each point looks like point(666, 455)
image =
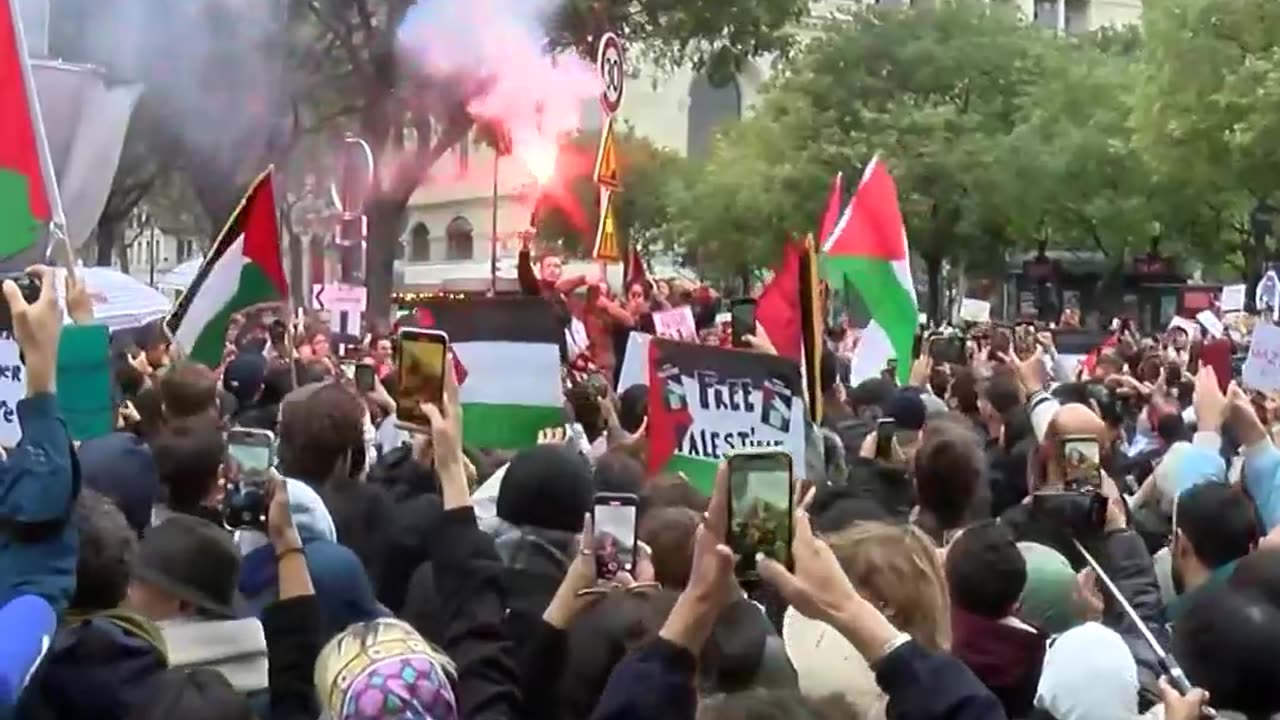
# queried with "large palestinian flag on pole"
point(707, 401)
point(507, 357)
point(29, 200)
point(242, 269)
point(868, 251)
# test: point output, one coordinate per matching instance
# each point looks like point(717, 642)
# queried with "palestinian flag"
point(868, 248)
point(507, 360)
point(707, 401)
point(28, 189)
point(242, 269)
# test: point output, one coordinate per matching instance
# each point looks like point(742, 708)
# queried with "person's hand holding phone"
point(446, 440)
point(280, 527)
point(711, 585)
point(759, 341)
point(581, 587)
point(37, 327)
point(819, 589)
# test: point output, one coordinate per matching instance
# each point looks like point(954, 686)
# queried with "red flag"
point(669, 418)
point(634, 271)
point(832, 215)
point(778, 308)
point(1091, 360)
point(28, 193)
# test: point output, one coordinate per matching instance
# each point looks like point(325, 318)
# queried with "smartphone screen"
point(614, 516)
point(886, 428)
point(1081, 462)
point(421, 373)
point(250, 450)
point(742, 319)
point(364, 377)
point(348, 369)
point(760, 497)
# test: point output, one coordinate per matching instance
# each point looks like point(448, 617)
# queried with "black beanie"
point(548, 487)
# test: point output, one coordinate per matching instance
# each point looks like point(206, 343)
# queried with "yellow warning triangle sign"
point(606, 174)
point(607, 231)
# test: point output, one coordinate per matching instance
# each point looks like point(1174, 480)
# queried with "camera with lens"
point(244, 505)
point(1078, 502)
point(28, 285)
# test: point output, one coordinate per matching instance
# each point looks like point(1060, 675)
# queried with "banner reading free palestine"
point(705, 402)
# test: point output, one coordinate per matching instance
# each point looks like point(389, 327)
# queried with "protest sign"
point(1185, 325)
point(705, 402)
point(1262, 367)
point(1232, 298)
point(13, 387)
point(675, 324)
point(1211, 323)
point(974, 310)
point(84, 383)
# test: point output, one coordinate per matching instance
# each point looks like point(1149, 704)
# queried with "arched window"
point(459, 240)
point(709, 108)
point(419, 243)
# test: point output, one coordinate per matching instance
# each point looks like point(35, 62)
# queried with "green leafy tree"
point(936, 92)
point(569, 214)
point(1207, 116)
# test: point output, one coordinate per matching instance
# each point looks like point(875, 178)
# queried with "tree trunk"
point(110, 233)
point(122, 254)
point(933, 303)
point(387, 218)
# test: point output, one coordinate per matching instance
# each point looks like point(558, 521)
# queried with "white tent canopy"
point(119, 301)
point(180, 277)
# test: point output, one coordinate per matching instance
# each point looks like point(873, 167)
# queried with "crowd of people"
point(396, 573)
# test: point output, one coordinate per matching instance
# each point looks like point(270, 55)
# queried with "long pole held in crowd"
point(1177, 677)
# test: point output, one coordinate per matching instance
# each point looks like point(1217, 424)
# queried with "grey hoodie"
point(235, 648)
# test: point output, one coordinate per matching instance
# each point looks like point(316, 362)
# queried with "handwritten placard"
point(1211, 323)
point(13, 387)
point(675, 324)
point(974, 310)
point(1262, 367)
point(1185, 325)
point(1232, 298)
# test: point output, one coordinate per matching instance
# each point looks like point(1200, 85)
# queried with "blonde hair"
point(896, 567)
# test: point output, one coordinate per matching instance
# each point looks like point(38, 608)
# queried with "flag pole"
point(58, 223)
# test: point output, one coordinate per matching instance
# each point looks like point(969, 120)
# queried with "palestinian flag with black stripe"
point(242, 269)
point(507, 357)
point(705, 402)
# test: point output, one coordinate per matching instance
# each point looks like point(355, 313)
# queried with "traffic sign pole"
point(611, 65)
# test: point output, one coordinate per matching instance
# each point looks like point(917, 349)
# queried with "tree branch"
point(341, 34)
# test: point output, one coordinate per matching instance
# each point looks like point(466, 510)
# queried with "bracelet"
point(282, 554)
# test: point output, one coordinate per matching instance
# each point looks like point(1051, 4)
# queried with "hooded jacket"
point(235, 648)
point(39, 482)
point(98, 666)
point(534, 562)
point(345, 593)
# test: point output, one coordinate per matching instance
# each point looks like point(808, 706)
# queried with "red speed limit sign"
point(612, 72)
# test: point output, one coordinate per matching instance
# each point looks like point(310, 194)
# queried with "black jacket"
point(293, 629)
point(1126, 561)
point(468, 579)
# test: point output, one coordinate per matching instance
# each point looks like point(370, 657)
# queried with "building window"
point(1046, 14)
point(710, 107)
point(419, 243)
point(459, 239)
